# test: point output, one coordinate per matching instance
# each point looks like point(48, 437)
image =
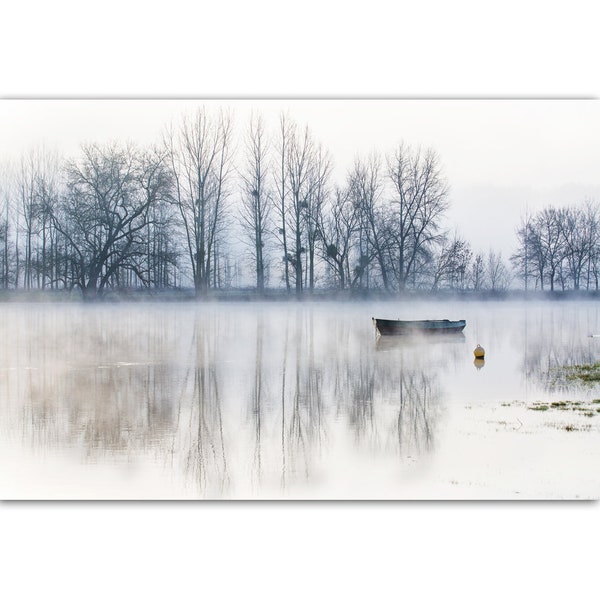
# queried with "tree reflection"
point(405, 383)
point(257, 400)
point(302, 420)
point(550, 340)
point(235, 404)
point(206, 459)
point(107, 396)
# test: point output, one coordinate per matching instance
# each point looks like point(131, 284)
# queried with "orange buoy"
point(479, 352)
point(479, 363)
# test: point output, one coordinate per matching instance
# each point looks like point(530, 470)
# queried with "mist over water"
point(295, 400)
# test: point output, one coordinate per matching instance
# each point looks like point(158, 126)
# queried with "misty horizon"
point(499, 160)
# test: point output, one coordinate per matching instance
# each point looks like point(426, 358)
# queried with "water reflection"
point(550, 339)
point(205, 449)
point(233, 402)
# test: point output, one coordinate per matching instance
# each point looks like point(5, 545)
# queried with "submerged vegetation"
point(588, 373)
point(584, 409)
point(584, 374)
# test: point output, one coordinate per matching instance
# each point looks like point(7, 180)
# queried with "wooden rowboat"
point(397, 327)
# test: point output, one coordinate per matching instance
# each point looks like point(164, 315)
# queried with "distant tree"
point(498, 274)
point(256, 199)
point(452, 263)
point(592, 212)
point(478, 274)
point(420, 198)
point(337, 228)
point(6, 249)
point(47, 192)
point(200, 158)
point(156, 184)
point(578, 228)
point(524, 261)
point(318, 192)
point(366, 186)
point(26, 179)
point(282, 196)
point(299, 177)
point(103, 216)
point(549, 243)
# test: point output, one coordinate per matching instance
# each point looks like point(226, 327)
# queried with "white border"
point(460, 48)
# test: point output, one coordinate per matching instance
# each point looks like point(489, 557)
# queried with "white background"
point(331, 550)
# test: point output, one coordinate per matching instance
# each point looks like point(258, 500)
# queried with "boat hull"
point(397, 327)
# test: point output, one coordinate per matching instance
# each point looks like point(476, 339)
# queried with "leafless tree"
point(548, 243)
point(156, 183)
point(523, 259)
point(338, 226)
point(282, 192)
point(300, 158)
point(318, 192)
point(103, 216)
point(477, 276)
point(201, 162)
point(452, 263)
point(256, 199)
point(578, 227)
point(366, 186)
point(420, 199)
point(7, 250)
point(497, 273)
point(26, 180)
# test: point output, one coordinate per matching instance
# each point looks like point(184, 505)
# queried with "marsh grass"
point(583, 408)
point(589, 373)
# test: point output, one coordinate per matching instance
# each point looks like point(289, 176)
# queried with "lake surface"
point(295, 401)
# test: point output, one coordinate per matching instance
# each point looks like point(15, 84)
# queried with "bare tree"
point(200, 158)
point(452, 263)
point(102, 215)
point(366, 186)
point(549, 242)
point(26, 180)
point(7, 251)
point(256, 200)
point(478, 273)
point(497, 273)
point(47, 191)
point(299, 163)
point(523, 259)
point(420, 199)
point(155, 180)
point(578, 227)
point(318, 192)
point(282, 187)
point(338, 225)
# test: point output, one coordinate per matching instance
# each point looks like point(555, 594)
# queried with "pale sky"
point(501, 157)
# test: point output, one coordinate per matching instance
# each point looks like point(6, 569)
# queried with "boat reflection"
point(416, 341)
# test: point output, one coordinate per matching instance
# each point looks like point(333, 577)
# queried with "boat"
point(398, 327)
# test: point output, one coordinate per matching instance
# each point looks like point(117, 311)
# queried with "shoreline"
point(275, 295)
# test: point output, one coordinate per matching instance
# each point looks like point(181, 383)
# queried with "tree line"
point(559, 248)
point(200, 210)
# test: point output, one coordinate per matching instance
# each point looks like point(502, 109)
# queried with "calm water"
point(295, 401)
